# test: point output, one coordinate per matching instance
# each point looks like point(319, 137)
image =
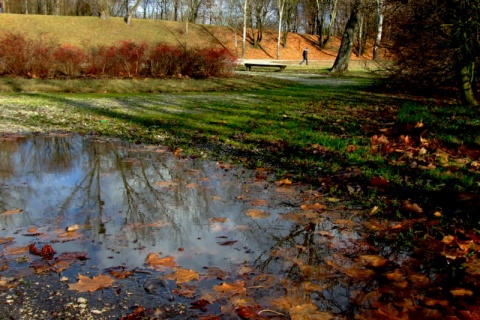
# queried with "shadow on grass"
point(300, 131)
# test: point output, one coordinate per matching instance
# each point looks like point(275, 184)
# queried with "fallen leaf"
point(373, 260)
point(246, 312)
point(218, 219)
point(257, 214)
point(6, 240)
point(461, 293)
point(227, 243)
point(154, 261)
point(200, 304)
point(87, 284)
point(448, 239)
point(138, 313)
point(283, 182)
point(17, 250)
point(10, 212)
point(308, 311)
point(259, 202)
point(231, 288)
point(186, 291)
point(216, 273)
point(121, 274)
point(316, 206)
point(412, 207)
point(183, 275)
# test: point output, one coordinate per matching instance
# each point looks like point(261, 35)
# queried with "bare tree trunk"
point(333, 5)
point(346, 47)
point(281, 4)
point(361, 20)
point(104, 11)
point(244, 28)
point(176, 4)
point(378, 38)
point(128, 17)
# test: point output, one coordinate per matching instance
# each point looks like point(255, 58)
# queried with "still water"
point(130, 200)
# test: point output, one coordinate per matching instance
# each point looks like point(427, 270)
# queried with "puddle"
point(129, 201)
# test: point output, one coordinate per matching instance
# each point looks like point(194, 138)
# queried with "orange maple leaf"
point(154, 261)
point(87, 284)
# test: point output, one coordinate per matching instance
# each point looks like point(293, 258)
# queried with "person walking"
point(305, 57)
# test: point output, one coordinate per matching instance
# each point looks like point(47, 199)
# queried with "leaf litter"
point(328, 249)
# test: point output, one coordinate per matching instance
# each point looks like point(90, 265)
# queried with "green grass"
point(318, 134)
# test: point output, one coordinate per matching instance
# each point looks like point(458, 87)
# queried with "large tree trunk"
point(346, 47)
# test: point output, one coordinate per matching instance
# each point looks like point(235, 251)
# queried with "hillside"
point(91, 31)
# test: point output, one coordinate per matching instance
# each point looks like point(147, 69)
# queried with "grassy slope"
point(91, 31)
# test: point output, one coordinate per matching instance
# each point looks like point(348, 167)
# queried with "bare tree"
point(379, 29)
point(281, 6)
point(104, 11)
point(128, 16)
point(260, 9)
point(435, 44)
point(244, 33)
point(291, 14)
point(346, 47)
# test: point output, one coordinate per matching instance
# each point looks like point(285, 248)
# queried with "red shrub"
point(163, 61)
point(13, 54)
point(40, 58)
point(218, 62)
point(130, 57)
point(203, 63)
point(69, 60)
point(20, 56)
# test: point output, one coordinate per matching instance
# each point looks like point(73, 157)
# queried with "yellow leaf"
point(183, 275)
point(308, 311)
point(154, 261)
point(237, 287)
point(87, 284)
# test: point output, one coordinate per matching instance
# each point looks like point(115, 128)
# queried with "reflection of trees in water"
point(110, 189)
point(29, 157)
point(302, 256)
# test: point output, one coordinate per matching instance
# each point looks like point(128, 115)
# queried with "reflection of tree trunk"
point(346, 47)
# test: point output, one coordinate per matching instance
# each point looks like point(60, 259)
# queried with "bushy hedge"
point(42, 58)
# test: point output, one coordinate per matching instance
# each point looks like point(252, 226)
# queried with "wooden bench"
point(265, 65)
